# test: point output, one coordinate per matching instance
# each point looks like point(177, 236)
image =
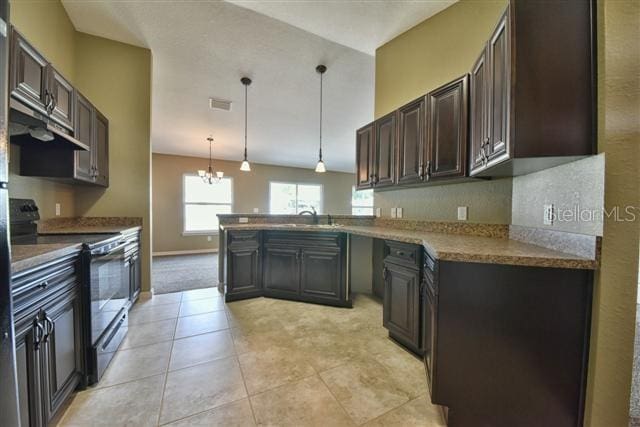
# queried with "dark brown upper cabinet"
point(61, 95)
point(538, 76)
point(411, 142)
point(364, 157)
point(385, 151)
point(447, 135)
point(84, 160)
point(101, 158)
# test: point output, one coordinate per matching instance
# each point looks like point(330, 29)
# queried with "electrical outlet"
point(378, 213)
point(256, 210)
point(208, 238)
point(243, 220)
point(399, 212)
point(394, 212)
point(58, 209)
point(549, 213)
point(462, 213)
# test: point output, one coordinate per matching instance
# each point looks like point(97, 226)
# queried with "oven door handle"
point(99, 253)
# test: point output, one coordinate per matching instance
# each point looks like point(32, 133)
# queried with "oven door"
point(108, 289)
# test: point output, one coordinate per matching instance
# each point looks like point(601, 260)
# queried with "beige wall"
point(250, 190)
point(614, 305)
point(117, 78)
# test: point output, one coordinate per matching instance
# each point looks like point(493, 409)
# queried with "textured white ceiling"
point(363, 25)
point(201, 49)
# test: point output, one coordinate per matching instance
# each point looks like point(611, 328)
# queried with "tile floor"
point(189, 359)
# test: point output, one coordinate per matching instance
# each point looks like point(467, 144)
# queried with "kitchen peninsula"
point(451, 291)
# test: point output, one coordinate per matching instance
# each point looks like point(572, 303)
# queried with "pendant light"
point(208, 176)
point(245, 166)
point(320, 168)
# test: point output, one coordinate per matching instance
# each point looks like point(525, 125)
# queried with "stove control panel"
point(23, 210)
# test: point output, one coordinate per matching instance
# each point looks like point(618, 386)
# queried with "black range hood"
point(29, 127)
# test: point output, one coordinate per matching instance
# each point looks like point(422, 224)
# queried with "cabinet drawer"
point(243, 238)
point(35, 286)
point(403, 253)
point(304, 238)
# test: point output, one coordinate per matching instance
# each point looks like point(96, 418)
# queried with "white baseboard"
point(195, 251)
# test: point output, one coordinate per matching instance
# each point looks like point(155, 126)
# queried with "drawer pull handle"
point(43, 285)
point(401, 253)
point(38, 334)
point(49, 326)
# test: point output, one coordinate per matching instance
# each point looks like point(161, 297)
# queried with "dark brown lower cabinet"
point(244, 272)
point(281, 271)
point(133, 265)
point(321, 274)
point(28, 366)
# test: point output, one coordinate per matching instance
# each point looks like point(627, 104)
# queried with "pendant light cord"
point(321, 115)
point(245, 121)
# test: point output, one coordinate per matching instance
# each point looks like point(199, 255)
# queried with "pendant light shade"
point(209, 176)
point(245, 166)
point(320, 168)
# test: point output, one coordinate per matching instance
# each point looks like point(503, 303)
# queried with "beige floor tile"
point(246, 341)
point(135, 403)
point(271, 367)
point(138, 362)
point(236, 414)
point(146, 299)
point(201, 323)
point(326, 350)
point(201, 348)
point(200, 388)
point(203, 293)
point(307, 402)
point(153, 313)
point(420, 412)
point(200, 306)
point(402, 367)
point(149, 333)
point(364, 389)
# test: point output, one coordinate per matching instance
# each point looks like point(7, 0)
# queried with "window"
point(203, 201)
point(361, 202)
point(290, 198)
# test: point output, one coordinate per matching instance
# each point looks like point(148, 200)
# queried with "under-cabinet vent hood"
point(24, 128)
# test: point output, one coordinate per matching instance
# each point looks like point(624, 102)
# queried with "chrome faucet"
point(312, 212)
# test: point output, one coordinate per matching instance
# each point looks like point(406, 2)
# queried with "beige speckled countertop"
point(102, 229)
point(452, 247)
point(24, 257)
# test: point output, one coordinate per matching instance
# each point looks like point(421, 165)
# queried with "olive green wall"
point(429, 55)
point(614, 305)
point(250, 190)
point(117, 78)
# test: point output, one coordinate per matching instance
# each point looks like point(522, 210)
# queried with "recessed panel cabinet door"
point(385, 151)
point(28, 75)
point(478, 127)
point(84, 169)
point(448, 130)
point(364, 159)
point(29, 372)
point(411, 142)
point(499, 90)
point(281, 270)
point(62, 351)
point(62, 99)
point(101, 159)
point(321, 275)
point(244, 271)
point(401, 305)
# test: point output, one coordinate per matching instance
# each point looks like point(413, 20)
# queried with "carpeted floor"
point(184, 272)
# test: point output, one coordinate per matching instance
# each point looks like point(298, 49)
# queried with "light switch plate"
point(394, 213)
point(243, 220)
point(462, 213)
point(378, 212)
point(548, 214)
point(399, 212)
point(58, 209)
point(256, 210)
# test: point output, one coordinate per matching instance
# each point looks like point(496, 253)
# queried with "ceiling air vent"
point(219, 104)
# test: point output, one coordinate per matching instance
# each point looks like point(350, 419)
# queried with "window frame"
point(372, 207)
point(319, 210)
point(185, 232)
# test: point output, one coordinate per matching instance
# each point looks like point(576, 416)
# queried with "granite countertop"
point(24, 257)
point(91, 229)
point(452, 247)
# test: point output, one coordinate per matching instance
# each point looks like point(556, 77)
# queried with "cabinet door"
point(321, 275)
point(28, 369)
point(478, 129)
point(364, 159)
point(448, 130)
point(84, 168)
point(62, 351)
point(385, 151)
point(28, 75)
point(401, 306)
point(499, 91)
point(101, 146)
point(136, 276)
point(282, 270)
point(243, 276)
point(62, 99)
point(411, 142)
